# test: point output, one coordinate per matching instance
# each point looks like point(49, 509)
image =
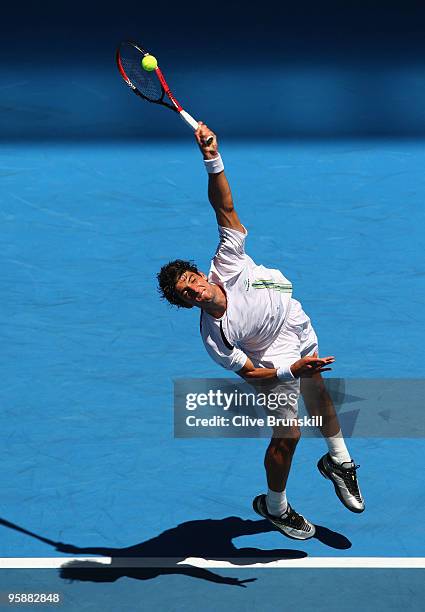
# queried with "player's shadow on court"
point(206, 539)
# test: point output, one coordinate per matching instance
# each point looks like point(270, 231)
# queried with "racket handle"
point(189, 119)
point(193, 124)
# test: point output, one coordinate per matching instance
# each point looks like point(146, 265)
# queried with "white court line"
point(305, 563)
point(322, 562)
point(46, 562)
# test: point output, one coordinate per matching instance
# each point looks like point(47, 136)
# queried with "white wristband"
point(284, 373)
point(214, 166)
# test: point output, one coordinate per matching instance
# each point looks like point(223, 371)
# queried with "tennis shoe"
point(344, 479)
point(291, 524)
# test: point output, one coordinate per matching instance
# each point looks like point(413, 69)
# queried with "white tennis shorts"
point(296, 339)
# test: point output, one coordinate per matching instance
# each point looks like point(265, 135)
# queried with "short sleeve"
point(229, 358)
point(230, 257)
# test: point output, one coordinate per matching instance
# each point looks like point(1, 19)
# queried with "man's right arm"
point(219, 193)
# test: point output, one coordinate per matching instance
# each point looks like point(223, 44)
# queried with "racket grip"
point(189, 119)
point(193, 124)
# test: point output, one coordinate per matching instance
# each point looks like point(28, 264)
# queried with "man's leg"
point(277, 462)
point(318, 402)
point(337, 464)
point(274, 505)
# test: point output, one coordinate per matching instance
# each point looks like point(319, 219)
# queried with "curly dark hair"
point(168, 277)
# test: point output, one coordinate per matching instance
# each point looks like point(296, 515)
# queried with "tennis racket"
point(150, 86)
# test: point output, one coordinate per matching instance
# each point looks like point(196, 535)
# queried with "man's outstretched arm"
point(303, 368)
point(219, 193)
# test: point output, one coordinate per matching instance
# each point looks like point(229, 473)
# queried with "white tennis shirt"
point(257, 303)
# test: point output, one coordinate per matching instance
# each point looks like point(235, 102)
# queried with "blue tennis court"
point(90, 353)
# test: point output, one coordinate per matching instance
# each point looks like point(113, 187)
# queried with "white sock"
point(276, 502)
point(337, 449)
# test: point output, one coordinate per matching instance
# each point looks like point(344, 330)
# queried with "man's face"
point(194, 289)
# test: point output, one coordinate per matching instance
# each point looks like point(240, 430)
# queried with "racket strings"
point(146, 82)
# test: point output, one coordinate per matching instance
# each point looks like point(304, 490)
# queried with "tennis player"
point(250, 324)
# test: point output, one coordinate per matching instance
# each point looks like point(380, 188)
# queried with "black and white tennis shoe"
point(344, 479)
point(291, 524)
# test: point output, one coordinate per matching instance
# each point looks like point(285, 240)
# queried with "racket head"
point(144, 83)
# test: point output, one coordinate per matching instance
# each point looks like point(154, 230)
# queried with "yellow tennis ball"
point(149, 63)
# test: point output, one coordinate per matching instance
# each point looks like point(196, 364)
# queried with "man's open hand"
point(201, 134)
point(308, 366)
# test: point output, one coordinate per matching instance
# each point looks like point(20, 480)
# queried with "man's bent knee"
point(286, 436)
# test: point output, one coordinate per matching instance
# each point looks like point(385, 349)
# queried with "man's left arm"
point(303, 368)
point(219, 193)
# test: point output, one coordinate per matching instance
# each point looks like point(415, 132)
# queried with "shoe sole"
point(279, 528)
point(337, 491)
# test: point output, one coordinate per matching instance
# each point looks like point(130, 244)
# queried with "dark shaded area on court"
point(327, 70)
point(81, 32)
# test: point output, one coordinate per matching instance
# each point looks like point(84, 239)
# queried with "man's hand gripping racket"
point(207, 141)
point(149, 84)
